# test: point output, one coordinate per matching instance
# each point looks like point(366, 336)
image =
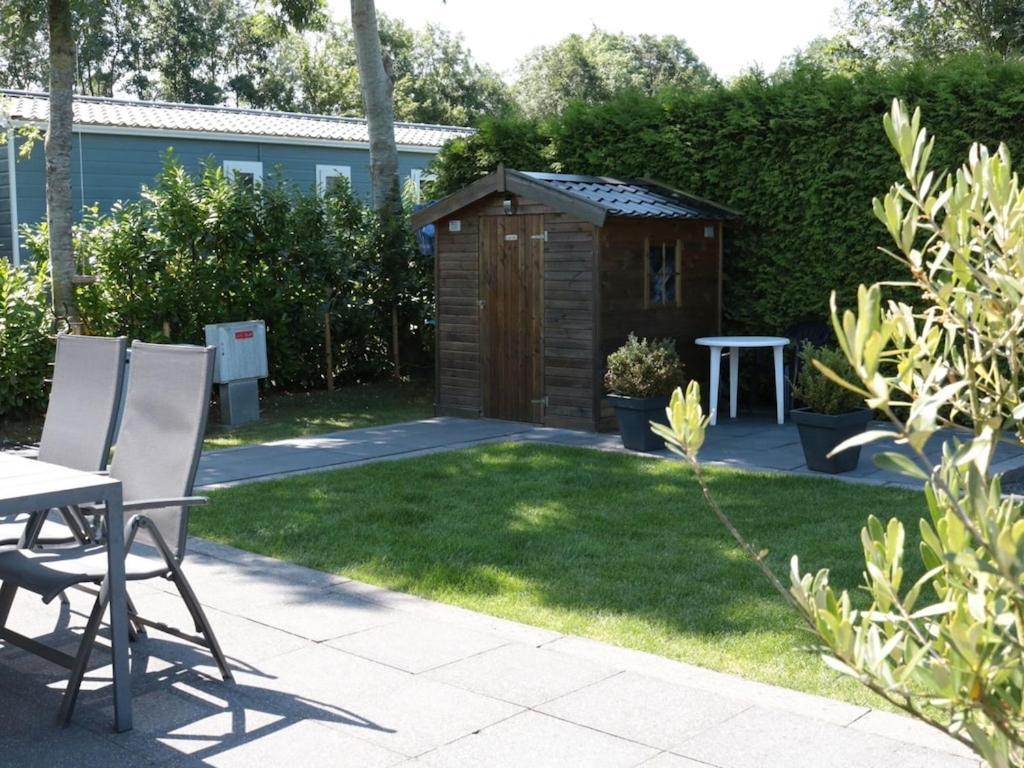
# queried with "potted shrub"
point(641, 376)
point(831, 414)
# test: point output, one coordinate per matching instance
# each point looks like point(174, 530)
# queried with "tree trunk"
point(376, 86)
point(58, 163)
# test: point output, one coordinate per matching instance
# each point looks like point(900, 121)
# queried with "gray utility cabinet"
point(240, 362)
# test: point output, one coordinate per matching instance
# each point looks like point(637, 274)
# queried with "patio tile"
point(511, 631)
point(317, 677)
point(321, 617)
point(421, 715)
point(370, 701)
point(644, 709)
point(668, 760)
point(905, 729)
point(416, 644)
point(762, 738)
point(736, 688)
point(533, 740)
point(305, 744)
point(522, 674)
point(244, 642)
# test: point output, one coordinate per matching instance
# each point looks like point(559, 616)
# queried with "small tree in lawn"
point(949, 648)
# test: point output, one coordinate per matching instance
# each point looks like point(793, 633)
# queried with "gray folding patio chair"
point(79, 425)
point(157, 454)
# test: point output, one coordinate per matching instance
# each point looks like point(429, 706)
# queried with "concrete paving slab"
point(905, 729)
point(416, 645)
point(522, 674)
point(354, 446)
point(736, 688)
point(306, 744)
point(762, 738)
point(668, 760)
point(533, 740)
point(421, 715)
point(634, 707)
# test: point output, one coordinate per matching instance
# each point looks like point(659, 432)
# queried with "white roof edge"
point(168, 118)
point(255, 138)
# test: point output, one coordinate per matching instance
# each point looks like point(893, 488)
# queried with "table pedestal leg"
point(777, 354)
point(734, 379)
point(716, 364)
point(118, 612)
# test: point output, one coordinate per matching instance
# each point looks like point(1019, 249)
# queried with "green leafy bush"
point(797, 154)
point(25, 348)
point(816, 390)
point(202, 249)
point(642, 368)
point(949, 647)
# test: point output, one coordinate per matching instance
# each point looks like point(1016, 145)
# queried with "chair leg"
point(67, 705)
point(7, 593)
point(135, 627)
point(202, 623)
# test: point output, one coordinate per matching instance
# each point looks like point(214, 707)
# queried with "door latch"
point(481, 303)
point(543, 236)
point(543, 401)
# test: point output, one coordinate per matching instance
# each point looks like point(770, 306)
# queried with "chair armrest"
point(181, 501)
point(143, 504)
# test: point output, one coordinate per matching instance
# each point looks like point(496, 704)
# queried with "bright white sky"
point(727, 34)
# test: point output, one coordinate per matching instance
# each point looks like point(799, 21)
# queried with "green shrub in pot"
point(641, 375)
point(830, 414)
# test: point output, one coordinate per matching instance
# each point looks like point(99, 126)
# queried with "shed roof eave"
point(515, 182)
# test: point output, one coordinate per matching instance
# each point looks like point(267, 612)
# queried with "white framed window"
point(246, 171)
point(327, 177)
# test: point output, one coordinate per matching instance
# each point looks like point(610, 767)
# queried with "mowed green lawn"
point(284, 415)
point(609, 546)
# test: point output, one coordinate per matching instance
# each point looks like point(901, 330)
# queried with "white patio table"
point(26, 486)
point(733, 344)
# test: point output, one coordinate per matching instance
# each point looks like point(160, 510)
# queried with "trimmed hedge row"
point(202, 249)
point(800, 156)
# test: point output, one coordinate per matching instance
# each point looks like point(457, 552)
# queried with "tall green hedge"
point(198, 249)
point(800, 155)
point(25, 349)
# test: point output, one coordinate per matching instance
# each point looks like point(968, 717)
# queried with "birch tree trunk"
point(377, 86)
point(58, 162)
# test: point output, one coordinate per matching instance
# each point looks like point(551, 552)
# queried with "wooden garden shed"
point(539, 276)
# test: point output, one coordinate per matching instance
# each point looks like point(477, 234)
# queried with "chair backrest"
point(79, 424)
point(162, 430)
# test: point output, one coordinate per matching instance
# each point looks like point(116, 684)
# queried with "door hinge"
point(543, 236)
point(481, 303)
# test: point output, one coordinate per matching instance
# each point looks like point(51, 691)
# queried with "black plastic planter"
point(820, 433)
point(635, 415)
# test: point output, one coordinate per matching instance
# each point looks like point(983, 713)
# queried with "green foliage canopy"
point(594, 68)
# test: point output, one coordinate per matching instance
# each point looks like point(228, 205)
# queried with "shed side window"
point(663, 273)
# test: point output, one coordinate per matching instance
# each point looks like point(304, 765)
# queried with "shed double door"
point(511, 317)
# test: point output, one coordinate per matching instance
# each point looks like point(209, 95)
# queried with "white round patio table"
point(734, 344)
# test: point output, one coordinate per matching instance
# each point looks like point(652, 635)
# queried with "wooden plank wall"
point(570, 316)
point(622, 291)
point(569, 322)
point(457, 281)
